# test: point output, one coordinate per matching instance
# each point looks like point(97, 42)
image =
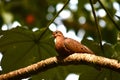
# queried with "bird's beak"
point(53, 35)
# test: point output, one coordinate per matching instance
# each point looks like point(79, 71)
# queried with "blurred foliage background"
point(30, 42)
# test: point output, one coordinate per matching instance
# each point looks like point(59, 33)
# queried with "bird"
point(66, 46)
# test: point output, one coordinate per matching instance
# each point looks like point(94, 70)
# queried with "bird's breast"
point(59, 44)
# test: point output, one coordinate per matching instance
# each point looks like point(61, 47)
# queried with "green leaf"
point(104, 74)
point(57, 73)
point(94, 46)
point(108, 50)
point(107, 74)
point(117, 51)
point(22, 47)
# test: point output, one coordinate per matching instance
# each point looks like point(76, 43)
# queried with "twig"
point(52, 20)
point(58, 13)
point(56, 61)
point(97, 26)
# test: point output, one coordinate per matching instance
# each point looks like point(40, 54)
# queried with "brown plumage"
point(66, 46)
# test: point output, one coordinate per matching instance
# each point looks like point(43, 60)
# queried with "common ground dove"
point(66, 46)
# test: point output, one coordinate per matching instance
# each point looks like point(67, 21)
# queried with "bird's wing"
point(76, 47)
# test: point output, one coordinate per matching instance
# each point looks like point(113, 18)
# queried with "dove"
point(66, 46)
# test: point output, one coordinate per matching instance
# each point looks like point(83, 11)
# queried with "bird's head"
point(57, 33)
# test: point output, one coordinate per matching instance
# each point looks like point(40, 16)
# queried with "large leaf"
point(57, 73)
point(21, 47)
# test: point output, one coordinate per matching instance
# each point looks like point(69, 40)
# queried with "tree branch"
point(56, 61)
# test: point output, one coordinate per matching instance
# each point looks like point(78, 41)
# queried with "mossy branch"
point(58, 61)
